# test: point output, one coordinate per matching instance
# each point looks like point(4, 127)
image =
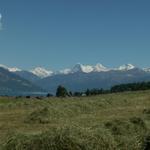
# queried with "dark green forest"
point(139, 86)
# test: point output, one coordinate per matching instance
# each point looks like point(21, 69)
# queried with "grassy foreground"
point(107, 122)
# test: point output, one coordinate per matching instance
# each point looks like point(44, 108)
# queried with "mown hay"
point(62, 139)
point(38, 116)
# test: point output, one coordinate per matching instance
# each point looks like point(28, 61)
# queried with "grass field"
point(107, 122)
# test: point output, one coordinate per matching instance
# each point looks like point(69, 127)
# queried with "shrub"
point(49, 95)
point(28, 97)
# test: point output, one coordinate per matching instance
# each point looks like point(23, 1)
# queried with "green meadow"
point(118, 121)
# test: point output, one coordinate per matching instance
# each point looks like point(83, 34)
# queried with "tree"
point(88, 92)
point(49, 95)
point(78, 94)
point(70, 94)
point(61, 91)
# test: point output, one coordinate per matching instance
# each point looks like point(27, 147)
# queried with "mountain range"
point(78, 78)
point(41, 72)
point(13, 84)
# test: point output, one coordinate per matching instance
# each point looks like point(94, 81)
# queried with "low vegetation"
point(118, 121)
point(38, 116)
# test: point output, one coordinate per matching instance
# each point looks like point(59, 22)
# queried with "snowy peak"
point(82, 68)
point(100, 68)
point(41, 72)
point(89, 68)
point(126, 67)
point(3, 66)
point(14, 69)
point(65, 71)
point(146, 69)
point(77, 68)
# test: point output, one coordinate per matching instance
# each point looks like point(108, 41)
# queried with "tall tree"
point(61, 91)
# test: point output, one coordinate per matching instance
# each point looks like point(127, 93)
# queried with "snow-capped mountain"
point(146, 69)
point(77, 78)
point(85, 77)
point(65, 71)
point(28, 76)
point(41, 72)
point(84, 68)
point(126, 67)
point(13, 84)
point(100, 68)
point(13, 69)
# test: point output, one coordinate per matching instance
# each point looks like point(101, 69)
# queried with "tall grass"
point(108, 122)
point(67, 138)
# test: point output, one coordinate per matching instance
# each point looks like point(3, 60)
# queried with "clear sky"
point(60, 33)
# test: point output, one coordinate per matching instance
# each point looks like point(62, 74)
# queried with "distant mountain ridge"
point(41, 72)
point(80, 81)
point(13, 84)
point(28, 76)
point(80, 77)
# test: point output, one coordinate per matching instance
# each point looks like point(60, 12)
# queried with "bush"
point(28, 97)
point(49, 95)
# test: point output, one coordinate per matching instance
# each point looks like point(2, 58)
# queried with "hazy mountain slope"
point(78, 78)
point(28, 76)
point(10, 83)
point(80, 81)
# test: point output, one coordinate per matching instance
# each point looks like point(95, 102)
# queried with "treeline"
point(62, 91)
point(131, 87)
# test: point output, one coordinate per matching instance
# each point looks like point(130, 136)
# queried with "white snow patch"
point(13, 69)
point(146, 69)
point(100, 68)
point(85, 68)
point(65, 71)
point(41, 72)
point(126, 67)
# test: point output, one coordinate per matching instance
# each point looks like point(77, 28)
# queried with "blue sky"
point(60, 33)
